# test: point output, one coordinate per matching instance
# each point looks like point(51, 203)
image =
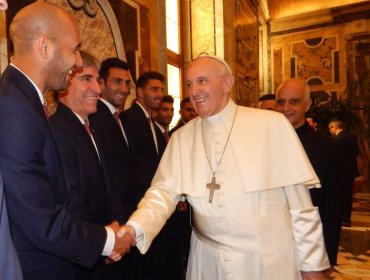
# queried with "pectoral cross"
point(212, 187)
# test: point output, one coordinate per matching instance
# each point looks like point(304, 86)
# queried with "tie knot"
point(116, 115)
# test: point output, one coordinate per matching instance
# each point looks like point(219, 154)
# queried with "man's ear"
point(139, 92)
point(228, 83)
point(308, 104)
point(43, 46)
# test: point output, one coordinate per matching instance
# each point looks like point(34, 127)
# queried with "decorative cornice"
point(90, 6)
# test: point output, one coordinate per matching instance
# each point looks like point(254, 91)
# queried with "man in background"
point(349, 146)
point(163, 116)
point(187, 113)
point(293, 101)
point(115, 149)
point(47, 237)
point(147, 143)
point(250, 222)
point(267, 102)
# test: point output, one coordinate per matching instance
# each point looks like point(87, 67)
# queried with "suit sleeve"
point(35, 190)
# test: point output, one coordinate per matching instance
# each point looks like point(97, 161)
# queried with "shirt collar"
point(41, 96)
point(111, 108)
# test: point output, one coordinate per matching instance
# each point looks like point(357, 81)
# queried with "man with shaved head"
point(246, 176)
point(48, 238)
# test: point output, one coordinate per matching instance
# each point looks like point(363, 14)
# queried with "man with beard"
point(147, 144)
point(187, 113)
point(47, 237)
point(163, 116)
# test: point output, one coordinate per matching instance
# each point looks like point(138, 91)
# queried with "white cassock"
point(261, 223)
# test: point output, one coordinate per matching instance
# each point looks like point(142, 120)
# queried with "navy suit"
point(46, 235)
point(327, 160)
point(10, 268)
point(116, 153)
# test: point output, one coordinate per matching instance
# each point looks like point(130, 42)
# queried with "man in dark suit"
point(9, 262)
point(46, 235)
point(143, 134)
point(89, 196)
point(147, 144)
point(349, 146)
point(187, 113)
point(293, 100)
point(114, 144)
point(109, 131)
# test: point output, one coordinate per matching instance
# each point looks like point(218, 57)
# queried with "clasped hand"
point(124, 239)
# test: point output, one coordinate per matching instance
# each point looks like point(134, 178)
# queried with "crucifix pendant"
point(212, 187)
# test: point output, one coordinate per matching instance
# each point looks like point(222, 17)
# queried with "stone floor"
point(354, 255)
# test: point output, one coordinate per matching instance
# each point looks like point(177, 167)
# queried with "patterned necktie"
point(116, 117)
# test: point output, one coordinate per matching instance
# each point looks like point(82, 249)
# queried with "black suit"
point(88, 198)
point(117, 157)
point(179, 124)
point(327, 161)
point(46, 235)
point(349, 146)
point(145, 160)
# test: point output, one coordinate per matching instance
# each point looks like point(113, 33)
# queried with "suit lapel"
point(24, 85)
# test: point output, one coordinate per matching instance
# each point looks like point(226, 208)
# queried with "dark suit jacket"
point(88, 188)
point(46, 236)
point(179, 124)
point(349, 146)
point(145, 158)
point(327, 161)
point(117, 157)
point(9, 263)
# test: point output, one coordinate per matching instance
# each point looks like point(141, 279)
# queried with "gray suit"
point(10, 268)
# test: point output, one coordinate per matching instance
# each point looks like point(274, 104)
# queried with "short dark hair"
point(269, 96)
point(149, 75)
point(167, 99)
point(112, 62)
point(183, 101)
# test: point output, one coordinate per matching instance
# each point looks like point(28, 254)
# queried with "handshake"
point(124, 239)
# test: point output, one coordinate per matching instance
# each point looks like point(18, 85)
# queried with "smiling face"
point(117, 87)
point(151, 94)
point(208, 85)
point(83, 91)
point(65, 56)
point(293, 100)
point(187, 113)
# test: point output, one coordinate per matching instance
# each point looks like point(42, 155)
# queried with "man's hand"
point(122, 244)
point(312, 275)
point(126, 229)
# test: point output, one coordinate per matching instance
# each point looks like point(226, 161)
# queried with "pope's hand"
point(126, 229)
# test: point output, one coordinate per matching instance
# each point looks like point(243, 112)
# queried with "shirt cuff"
point(109, 243)
point(139, 238)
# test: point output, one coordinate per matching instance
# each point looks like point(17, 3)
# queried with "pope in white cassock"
point(246, 177)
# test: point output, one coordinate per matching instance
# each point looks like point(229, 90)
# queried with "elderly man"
point(293, 100)
point(47, 237)
point(246, 176)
